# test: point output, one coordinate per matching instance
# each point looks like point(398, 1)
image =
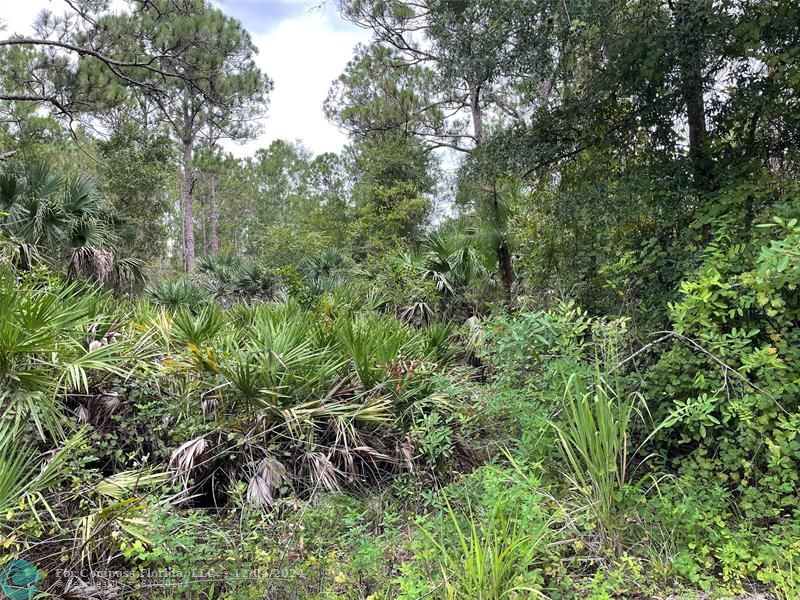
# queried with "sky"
point(303, 46)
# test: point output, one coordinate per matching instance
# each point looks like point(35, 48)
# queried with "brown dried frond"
point(372, 452)
point(269, 475)
point(407, 451)
point(322, 472)
point(259, 492)
point(184, 458)
point(108, 403)
point(88, 262)
point(82, 413)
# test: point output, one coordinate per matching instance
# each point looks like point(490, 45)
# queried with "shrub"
point(174, 294)
point(731, 380)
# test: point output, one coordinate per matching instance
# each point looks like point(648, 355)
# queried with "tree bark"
point(691, 24)
point(212, 218)
point(179, 208)
point(696, 120)
point(188, 205)
point(203, 226)
point(477, 114)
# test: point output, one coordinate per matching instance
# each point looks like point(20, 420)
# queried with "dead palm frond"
point(184, 458)
point(268, 477)
point(321, 471)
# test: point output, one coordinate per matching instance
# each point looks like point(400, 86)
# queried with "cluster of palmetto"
point(60, 344)
point(226, 280)
point(220, 278)
point(463, 271)
point(447, 275)
point(276, 396)
point(296, 398)
point(316, 385)
point(64, 220)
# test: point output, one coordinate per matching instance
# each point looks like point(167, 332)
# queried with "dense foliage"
point(532, 333)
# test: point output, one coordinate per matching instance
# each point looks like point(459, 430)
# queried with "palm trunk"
point(502, 251)
point(212, 218)
point(188, 205)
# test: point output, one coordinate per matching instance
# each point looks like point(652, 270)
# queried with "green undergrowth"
point(323, 446)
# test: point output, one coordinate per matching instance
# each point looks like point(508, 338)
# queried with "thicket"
point(567, 368)
point(302, 420)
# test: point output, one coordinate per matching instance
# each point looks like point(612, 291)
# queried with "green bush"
point(730, 383)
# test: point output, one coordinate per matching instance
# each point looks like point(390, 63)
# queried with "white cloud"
point(302, 53)
point(17, 17)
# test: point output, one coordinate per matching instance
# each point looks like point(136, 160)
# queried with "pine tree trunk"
point(212, 219)
point(203, 226)
point(179, 208)
point(188, 205)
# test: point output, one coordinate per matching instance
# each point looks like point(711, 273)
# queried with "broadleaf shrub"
point(731, 379)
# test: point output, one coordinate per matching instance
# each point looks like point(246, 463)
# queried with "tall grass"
point(594, 431)
point(491, 560)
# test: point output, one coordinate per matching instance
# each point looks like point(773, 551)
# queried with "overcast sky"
point(303, 46)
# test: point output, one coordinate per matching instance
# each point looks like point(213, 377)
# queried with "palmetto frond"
point(54, 340)
point(254, 280)
point(326, 264)
point(221, 266)
point(197, 328)
point(67, 217)
point(452, 259)
point(115, 510)
point(81, 199)
point(173, 294)
point(22, 473)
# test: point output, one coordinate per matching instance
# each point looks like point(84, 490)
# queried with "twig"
point(663, 338)
point(726, 368)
